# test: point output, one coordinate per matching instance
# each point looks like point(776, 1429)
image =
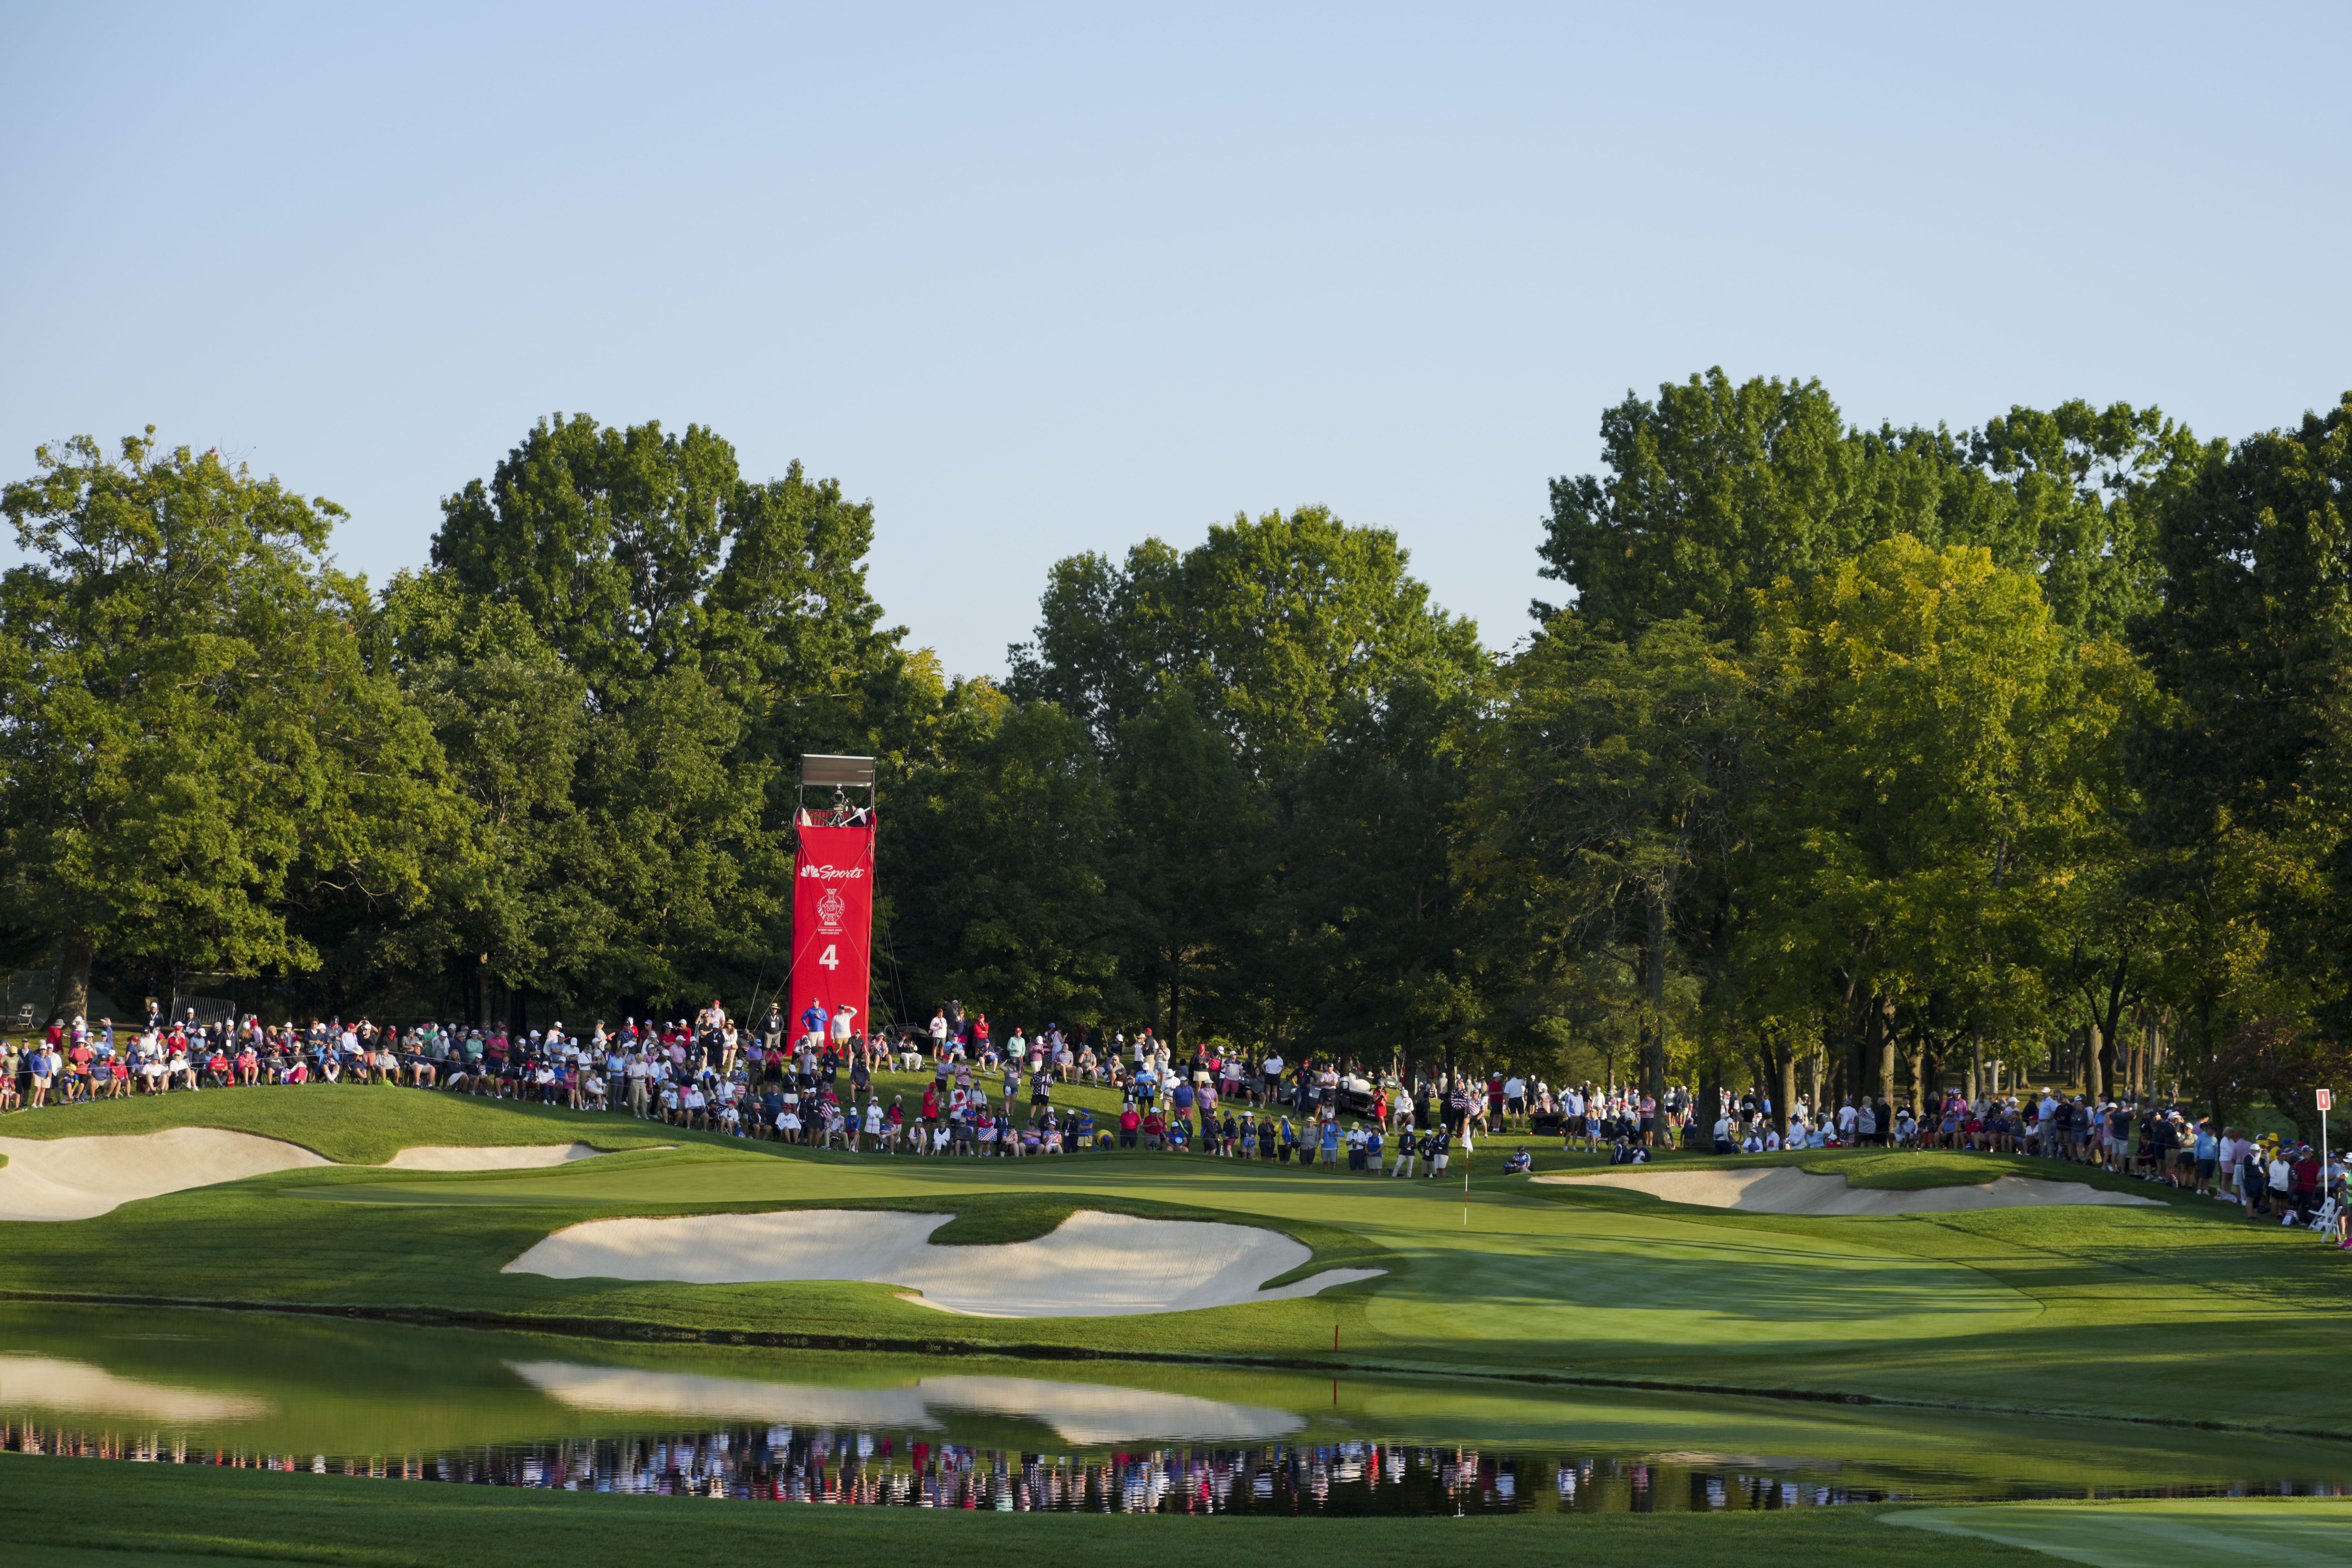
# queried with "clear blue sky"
point(1038, 281)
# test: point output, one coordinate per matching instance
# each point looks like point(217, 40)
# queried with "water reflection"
point(1086, 1414)
point(465, 1405)
point(859, 1466)
point(65, 1385)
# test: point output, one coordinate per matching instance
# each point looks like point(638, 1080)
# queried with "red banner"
point(833, 926)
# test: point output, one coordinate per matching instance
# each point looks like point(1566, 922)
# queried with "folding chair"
point(2325, 1219)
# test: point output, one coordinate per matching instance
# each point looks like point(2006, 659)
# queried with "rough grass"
point(75, 1513)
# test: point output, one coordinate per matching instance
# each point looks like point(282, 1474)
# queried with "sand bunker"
point(1785, 1189)
point(81, 1178)
point(1094, 1265)
point(507, 1157)
point(1082, 1412)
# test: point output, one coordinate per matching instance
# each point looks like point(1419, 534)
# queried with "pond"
point(295, 1392)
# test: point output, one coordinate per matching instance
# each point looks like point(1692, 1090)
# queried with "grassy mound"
point(354, 1124)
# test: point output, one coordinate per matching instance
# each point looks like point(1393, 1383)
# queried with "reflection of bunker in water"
point(1699, 1456)
point(1080, 1413)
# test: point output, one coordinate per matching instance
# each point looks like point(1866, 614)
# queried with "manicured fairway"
point(2171, 1313)
point(2306, 1533)
point(97, 1513)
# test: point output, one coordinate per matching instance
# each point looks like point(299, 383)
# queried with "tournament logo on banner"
point(833, 926)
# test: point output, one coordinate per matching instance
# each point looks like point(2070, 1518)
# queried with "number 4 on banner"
point(829, 958)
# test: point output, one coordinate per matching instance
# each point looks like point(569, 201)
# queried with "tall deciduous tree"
point(191, 740)
point(717, 627)
point(999, 859)
point(1928, 721)
point(1716, 490)
point(1610, 776)
point(1212, 681)
point(2245, 773)
point(1191, 861)
point(1274, 625)
point(1376, 933)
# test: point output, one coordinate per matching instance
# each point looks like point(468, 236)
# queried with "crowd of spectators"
point(817, 1080)
point(2264, 1173)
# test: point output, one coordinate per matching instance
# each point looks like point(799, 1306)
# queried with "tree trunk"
point(2095, 1055)
point(1881, 1036)
point(1785, 1092)
point(69, 999)
point(1653, 1052)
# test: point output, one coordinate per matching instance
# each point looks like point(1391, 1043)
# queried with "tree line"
point(1850, 760)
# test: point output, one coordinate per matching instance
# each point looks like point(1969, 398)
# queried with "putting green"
point(1500, 1265)
point(2303, 1532)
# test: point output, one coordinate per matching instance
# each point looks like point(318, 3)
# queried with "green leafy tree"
point(1928, 716)
point(716, 628)
point(520, 910)
point(1002, 852)
point(1212, 681)
point(1715, 490)
point(1273, 625)
point(1608, 778)
point(2069, 494)
point(192, 744)
point(635, 552)
point(1375, 930)
point(1193, 859)
point(2243, 770)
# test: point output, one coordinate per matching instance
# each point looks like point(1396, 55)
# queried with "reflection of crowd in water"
point(784, 1464)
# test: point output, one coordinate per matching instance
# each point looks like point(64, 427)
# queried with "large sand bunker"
point(1085, 1413)
point(81, 1178)
point(1786, 1189)
point(1094, 1265)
